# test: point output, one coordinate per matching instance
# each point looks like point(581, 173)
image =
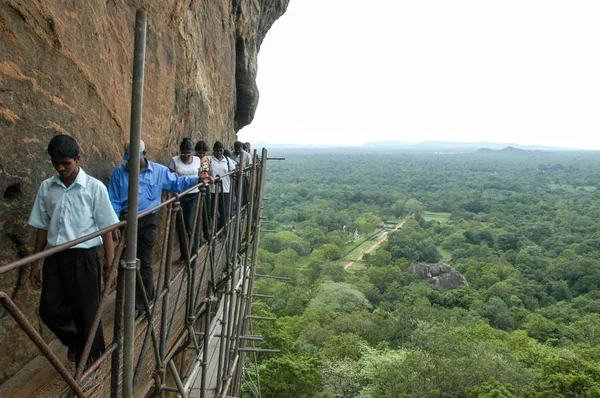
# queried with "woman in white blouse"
point(185, 164)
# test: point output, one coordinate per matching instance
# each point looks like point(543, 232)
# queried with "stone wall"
point(66, 67)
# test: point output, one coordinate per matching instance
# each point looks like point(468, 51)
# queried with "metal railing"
point(212, 287)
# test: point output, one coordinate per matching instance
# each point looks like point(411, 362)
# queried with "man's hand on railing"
point(35, 276)
point(116, 235)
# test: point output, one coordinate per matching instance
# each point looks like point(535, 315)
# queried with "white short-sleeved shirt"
point(220, 168)
point(246, 159)
point(186, 170)
point(71, 213)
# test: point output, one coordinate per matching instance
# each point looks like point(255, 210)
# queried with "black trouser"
point(70, 298)
point(188, 208)
point(245, 180)
point(223, 209)
point(147, 234)
point(206, 220)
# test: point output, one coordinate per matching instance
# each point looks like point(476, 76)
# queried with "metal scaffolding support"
point(192, 339)
point(131, 262)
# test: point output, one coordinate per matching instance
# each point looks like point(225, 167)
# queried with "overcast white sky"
point(353, 71)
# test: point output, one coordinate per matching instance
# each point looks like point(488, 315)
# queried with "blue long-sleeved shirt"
point(153, 180)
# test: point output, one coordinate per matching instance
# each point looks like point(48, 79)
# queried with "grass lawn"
point(430, 215)
point(444, 253)
point(357, 267)
point(361, 248)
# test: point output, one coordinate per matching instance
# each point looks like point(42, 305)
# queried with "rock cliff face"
point(66, 67)
point(439, 274)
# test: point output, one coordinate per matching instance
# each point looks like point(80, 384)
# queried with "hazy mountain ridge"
point(428, 146)
point(467, 145)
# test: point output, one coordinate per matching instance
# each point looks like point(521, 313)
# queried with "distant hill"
point(513, 150)
point(427, 146)
point(462, 145)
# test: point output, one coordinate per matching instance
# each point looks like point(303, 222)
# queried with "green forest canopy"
point(523, 229)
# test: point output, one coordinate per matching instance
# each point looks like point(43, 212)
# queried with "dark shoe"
point(71, 355)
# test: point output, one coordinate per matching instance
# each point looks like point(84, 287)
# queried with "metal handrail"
point(202, 279)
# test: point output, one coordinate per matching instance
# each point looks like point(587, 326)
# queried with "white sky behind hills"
point(346, 72)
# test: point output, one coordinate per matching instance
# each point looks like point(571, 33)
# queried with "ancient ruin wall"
point(66, 67)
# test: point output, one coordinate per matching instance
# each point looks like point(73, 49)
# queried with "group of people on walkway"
point(73, 204)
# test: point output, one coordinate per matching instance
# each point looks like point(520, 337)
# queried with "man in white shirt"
point(68, 206)
point(246, 160)
point(241, 156)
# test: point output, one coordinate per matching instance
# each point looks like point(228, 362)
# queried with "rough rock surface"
point(66, 67)
point(439, 274)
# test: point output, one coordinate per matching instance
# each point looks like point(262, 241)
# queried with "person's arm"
point(109, 254)
point(172, 166)
point(209, 173)
point(113, 193)
point(41, 240)
point(39, 219)
point(173, 183)
point(115, 203)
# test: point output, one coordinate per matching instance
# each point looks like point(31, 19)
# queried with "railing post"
point(206, 341)
point(137, 99)
point(163, 343)
point(117, 334)
point(260, 184)
point(28, 328)
point(232, 310)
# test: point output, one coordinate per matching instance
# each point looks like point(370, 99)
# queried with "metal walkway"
point(193, 341)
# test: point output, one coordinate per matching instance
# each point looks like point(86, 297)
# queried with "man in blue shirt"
point(68, 206)
point(154, 178)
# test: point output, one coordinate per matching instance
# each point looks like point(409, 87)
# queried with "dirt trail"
point(370, 249)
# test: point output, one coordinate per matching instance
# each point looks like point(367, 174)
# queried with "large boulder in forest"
point(66, 67)
point(439, 274)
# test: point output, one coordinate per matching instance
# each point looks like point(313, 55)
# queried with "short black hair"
point(201, 146)
point(186, 144)
point(63, 146)
point(218, 145)
point(238, 145)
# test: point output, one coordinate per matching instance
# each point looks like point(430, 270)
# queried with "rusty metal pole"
point(165, 310)
point(206, 342)
point(28, 328)
point(234, 267)
point(254, 259)
point(135, 135)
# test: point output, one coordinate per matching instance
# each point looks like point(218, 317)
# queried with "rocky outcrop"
point(66, 67)
point(439, 274)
